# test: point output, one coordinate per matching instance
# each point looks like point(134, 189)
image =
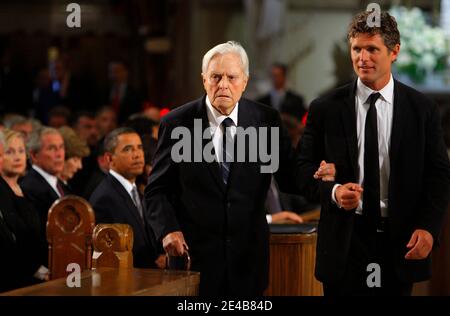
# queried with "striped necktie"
point(227, 149)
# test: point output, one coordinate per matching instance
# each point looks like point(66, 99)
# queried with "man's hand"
point(286, 216)
point(161, 262)
point(421, 243)
point(348, 195)
point(326, 171)
point(174, 244)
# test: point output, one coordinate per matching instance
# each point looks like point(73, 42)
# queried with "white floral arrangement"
point(423, 47)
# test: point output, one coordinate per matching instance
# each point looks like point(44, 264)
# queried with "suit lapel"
point(400, 116)
point(118, 187)
point(44, 182)
point(349, 122)
point(213, 167)
point(246, 118)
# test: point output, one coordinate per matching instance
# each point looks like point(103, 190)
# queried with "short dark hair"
point(110, 142)
point(387, 30)
point(81, 114)
point(282, 66)
point(141, 124)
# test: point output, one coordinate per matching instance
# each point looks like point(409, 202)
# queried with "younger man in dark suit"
point(382, 214)
point(117, 199)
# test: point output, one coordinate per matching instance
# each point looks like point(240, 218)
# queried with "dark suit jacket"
point(292, 104)
point(418, 184)
point(225, 227)
point(20, 243)
point(112, 204)
point(40, 194)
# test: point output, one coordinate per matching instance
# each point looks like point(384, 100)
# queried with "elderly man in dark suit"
point(214, 208)
point(117, 199)
point(382, 215)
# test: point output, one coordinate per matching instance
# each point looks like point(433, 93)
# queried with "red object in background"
point(147, 105)
point(304, 118)
point(163, 112)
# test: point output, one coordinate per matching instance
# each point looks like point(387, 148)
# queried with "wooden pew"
point(70, 224)
point(113, 246)
point(123, 282)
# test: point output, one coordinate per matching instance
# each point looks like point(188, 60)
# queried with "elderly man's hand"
point(161, 262)
point(286, 217)
point(174, 244)
point(421, 244)
point(326, 171)
point(348, 195)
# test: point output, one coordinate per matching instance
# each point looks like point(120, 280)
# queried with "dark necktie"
point(227, 154)
point(137, 201)
point(60, 188)
point(371, 195)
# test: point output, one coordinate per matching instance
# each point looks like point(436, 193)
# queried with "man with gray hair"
point(215, 210)
point(41, 185)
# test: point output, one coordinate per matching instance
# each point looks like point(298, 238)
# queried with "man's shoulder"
point(412, 95)
point(294, 95)
point(258, 110)
point(184, 112)
point(264, 99)
point(103, 189)
point(334, 96)
point(34, 181)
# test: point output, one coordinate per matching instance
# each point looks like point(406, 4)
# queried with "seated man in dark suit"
point(280, 97)
point(41, 186)
point(117, 199)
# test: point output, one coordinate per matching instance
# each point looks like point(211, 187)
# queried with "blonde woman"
point(28, 251)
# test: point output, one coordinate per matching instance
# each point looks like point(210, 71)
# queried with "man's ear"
point(395, 51)
point(32, 156)
point(108, 157)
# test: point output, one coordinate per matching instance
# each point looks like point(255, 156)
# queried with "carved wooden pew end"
point(113, 245)
point(70, 224)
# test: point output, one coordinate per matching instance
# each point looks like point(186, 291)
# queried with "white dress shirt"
point(51, 179)
point(215, 119)
point(128, 186)
point(385, 110)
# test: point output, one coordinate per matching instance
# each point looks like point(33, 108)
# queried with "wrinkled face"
point(87, 130)
point(14, 158)
point(51, 155)
point(106, 121)
point(71, 166)
point(128, 156)
point(224, 82)
point(372, 60)
point(278, 78)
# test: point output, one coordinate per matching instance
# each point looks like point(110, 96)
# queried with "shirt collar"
point(51, 179)
point(387, 92)
point(125, 183)
point(216, 118)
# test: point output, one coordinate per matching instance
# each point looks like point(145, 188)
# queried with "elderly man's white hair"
point(226, 48)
